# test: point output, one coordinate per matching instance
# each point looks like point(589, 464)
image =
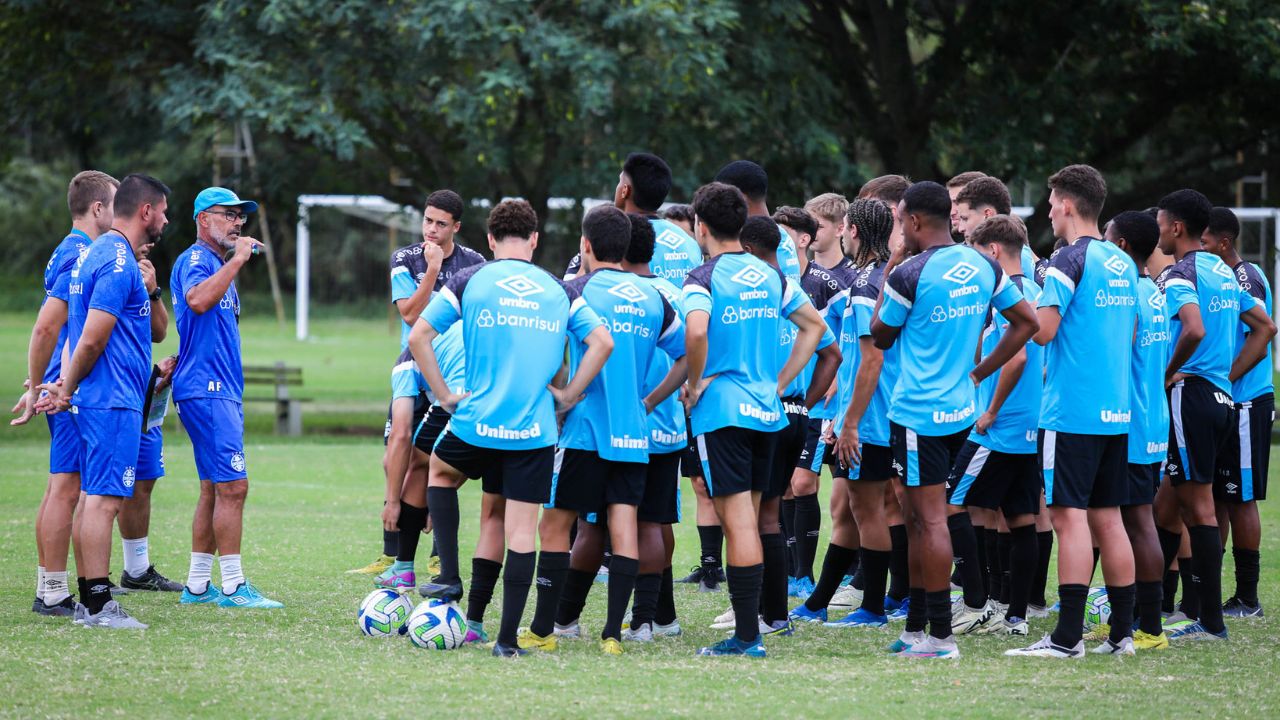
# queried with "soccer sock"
point(1097, 555)
point(744, 596)
point(1004, 550)
point(577, 584)
point(964, 546)
point(711, 537)
point(1070, 627)
point(39, 582)
point(484, 577)
point(199, 573)
point(412, 520)
point(808, 526)
point(232, 573)
point(984, 561)
point(787, 518)
point(552, 567)
point(98, 594)
point(82, 589)
point(666, 613)
point(917, 611)
point(898, 567)
point(1206, 556)
point(1169, 542)
point(1170, 598)
point(1024, 549)
point(1248, 563)
point(516, 579)
point(773, 588)
point(55, 587)
point(1044, 542)
point(137, 556)
point(391, 543)
point(875, 570)
point(622, 581)
point(1121, 598)
point(855, 572)
point(442, 506)
point(1190, 604)
point(990, 541)
point(939, 603)
point(1149, 593)
point(645, 608)
point(834, 564)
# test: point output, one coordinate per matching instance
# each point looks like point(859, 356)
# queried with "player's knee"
point(232, 492)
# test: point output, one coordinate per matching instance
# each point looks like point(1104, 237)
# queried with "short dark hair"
point(1139, 230)
point(512, 219)
point(640, 251)
point(87, 188)
point(722, 208)
point(797, 219)
point(964, 179)
point(679, 212)
point(448, 201)
point(761, 234)
point(650, 178)
point(1189, 206)
point(747, 176)
point(927, 198)
point(1084, 185)
point(1000, 230)
point(984, 191)
point(1223, 222)
point(135, 191)
point(609, 232)
point(887, 188)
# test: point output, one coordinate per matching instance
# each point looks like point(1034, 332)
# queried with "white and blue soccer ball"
point(437, 625)
point(1097, 608)
point(383, 613)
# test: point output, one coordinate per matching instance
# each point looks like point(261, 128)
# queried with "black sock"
point(984, 561)
point(412, 520)
point(1004, 549)
point(484, 577)
point(83, 588)
point(1190, 605)
point(1024, 549)
point(98, 594)
point(1070, 627)
point(875, 569)
point(964, 546)
point(711, 537)
point(577, 585)
point(834, 564)
point(917, 611)
point(622, 581)
point(1170, 599)
point(1121, 598)
point(442, 505)
point(666, 613)
point(939, 602)
point(1148, 596)
point(1097, 555)
point(645, 607)
point(1169, 543)
point(773, 588)
point(989, 541)
point(1206, 556)
point(787, 518)
point(744, 596)
point(898, 567)
point(516, 579)
point(552, 567)
point(808, 526)
point(1044, 542)
point(390, 543)
point(1248, 563)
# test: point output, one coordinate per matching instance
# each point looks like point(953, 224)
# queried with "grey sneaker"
point(644, 633)
point(35, 604)
point(672, 630)
point(572, 631)
point(66, 608)
point(116, 590)
point(149, 580)
point(112, 616)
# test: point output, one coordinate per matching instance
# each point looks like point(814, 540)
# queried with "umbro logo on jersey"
point(669, 238)
point(1156, 301)
point(1115, 265)
point(629, 292)
point(1220, 268)
point(519, 285)
point(960, 273)
point(749, 276)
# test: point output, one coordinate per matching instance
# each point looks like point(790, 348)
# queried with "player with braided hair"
point(873, 221)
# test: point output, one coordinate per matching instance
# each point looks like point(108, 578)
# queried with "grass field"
point(312, 514)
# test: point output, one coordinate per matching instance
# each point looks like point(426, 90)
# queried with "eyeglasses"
point(229, 215)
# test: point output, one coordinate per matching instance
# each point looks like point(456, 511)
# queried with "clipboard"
point(156, 405)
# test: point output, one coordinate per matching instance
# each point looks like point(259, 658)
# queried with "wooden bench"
point(288, 408)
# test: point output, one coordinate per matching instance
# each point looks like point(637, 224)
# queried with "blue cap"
point(212, 196)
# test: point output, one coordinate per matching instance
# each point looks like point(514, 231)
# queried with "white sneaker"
point(847, 596)
point(1004, 627)
point(572, 631)
point(1047, 649)
point(1035, 612)
point(644, 633)
point(933, 649)
point(724, 620)
point(965, 619)
point(1109, 648)
point(672, 630)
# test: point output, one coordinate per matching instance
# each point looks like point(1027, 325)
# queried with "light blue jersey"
point(1259, 381)
point(667, 430)
point(515, 319)
point(209, 364)
point(1094, 285)
point(831, 302)
point(409, 269)
point(1202, 279)
point(788, 258)
point(1014, 430)
point(747, 301)
point(1028, 262)
point(57, 283)
point(821, 289)
point(940, 298)
point(611, 419)
point(855, 324)
point(873, 429)
point(675, 253)
point(1149, 427)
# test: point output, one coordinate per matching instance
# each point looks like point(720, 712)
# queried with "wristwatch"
point(155, 294)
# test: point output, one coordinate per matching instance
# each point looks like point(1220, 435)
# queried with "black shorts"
point(521, 475)
point(814, 453)
point(1242, 472)
point(1144, 480)
point(990, 479)
point(1084, 471)
point(429, 429)
point(587, 483)
point(789, 444)
point(421, 404)
point(690, 464)
point(661, 503)
point(877, 463)
point(736, 460)
point(1201, 421)
point(924, 459)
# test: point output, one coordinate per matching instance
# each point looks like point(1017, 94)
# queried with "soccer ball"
point(437, 625)
point(383, 613)
point(1097, 608)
